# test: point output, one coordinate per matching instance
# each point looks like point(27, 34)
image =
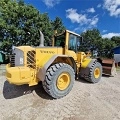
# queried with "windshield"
point(60, 40)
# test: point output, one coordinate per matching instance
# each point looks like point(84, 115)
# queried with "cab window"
point(74, 42)
point(60, 40)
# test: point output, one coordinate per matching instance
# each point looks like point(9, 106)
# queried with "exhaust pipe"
point(41, 39)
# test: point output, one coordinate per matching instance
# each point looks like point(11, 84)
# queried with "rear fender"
point(53, 60)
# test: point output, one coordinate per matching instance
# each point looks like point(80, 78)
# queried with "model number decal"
point(21, 60)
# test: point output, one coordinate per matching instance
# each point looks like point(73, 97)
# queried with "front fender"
point(85, 67)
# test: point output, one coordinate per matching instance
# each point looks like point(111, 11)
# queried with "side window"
point(72, 42)
point(60, 40)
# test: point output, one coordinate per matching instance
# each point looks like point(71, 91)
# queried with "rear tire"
point(59, 80)
point(95, 73)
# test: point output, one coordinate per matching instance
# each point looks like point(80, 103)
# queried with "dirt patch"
point(2, 70)
point(86, 101)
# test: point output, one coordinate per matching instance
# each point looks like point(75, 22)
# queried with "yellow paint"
point(43, 60)
point(85, 63)
point(83, 60)
point(20, 75)
point(97, 73)
point(81, 56)
point(63, 81)
point(27, 74)
point(43, 55)
point(72, 54)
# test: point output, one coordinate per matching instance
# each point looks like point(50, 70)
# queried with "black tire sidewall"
point(55, 90)
point(96, 80)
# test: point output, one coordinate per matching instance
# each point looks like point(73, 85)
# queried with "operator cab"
point(71, 39)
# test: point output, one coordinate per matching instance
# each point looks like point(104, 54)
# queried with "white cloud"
point(81, 19)
point(112, 6)
point(81, 29)
point(75, 17)
point(94, 21)
point(99, 5)
point(104, 31)
point(51, 3)
point(91, 10)
point(110, 35)
point(76, 29)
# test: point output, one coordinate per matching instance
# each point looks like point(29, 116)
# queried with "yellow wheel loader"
point(57, 66)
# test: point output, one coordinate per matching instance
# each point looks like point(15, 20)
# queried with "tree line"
point(20, 23)
point(93, 41)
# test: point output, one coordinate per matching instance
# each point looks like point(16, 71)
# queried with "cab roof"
point(72, 32)
point(68, 32)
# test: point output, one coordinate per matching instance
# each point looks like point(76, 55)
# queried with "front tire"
point(95, 73)
point(59, 80)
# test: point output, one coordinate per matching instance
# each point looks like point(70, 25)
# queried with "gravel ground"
point(86, 101)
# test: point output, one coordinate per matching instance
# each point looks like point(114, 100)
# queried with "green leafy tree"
point(58, 25)
point(94, 41)
point(106, 48)
point(19, 24)
point(116, 39)
point(91, 39)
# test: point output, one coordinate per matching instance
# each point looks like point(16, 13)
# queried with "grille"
point(31, 59)
point(12, 60)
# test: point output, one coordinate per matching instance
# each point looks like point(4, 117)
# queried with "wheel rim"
point(97, 73)
point(63, 81)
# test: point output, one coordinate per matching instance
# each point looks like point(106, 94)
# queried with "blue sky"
point(81, 15)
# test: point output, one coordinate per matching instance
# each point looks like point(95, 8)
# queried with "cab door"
point(72, 42)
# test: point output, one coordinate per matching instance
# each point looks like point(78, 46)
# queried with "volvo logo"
point(49, 52)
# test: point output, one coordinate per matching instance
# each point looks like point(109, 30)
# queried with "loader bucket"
point(108, 66)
